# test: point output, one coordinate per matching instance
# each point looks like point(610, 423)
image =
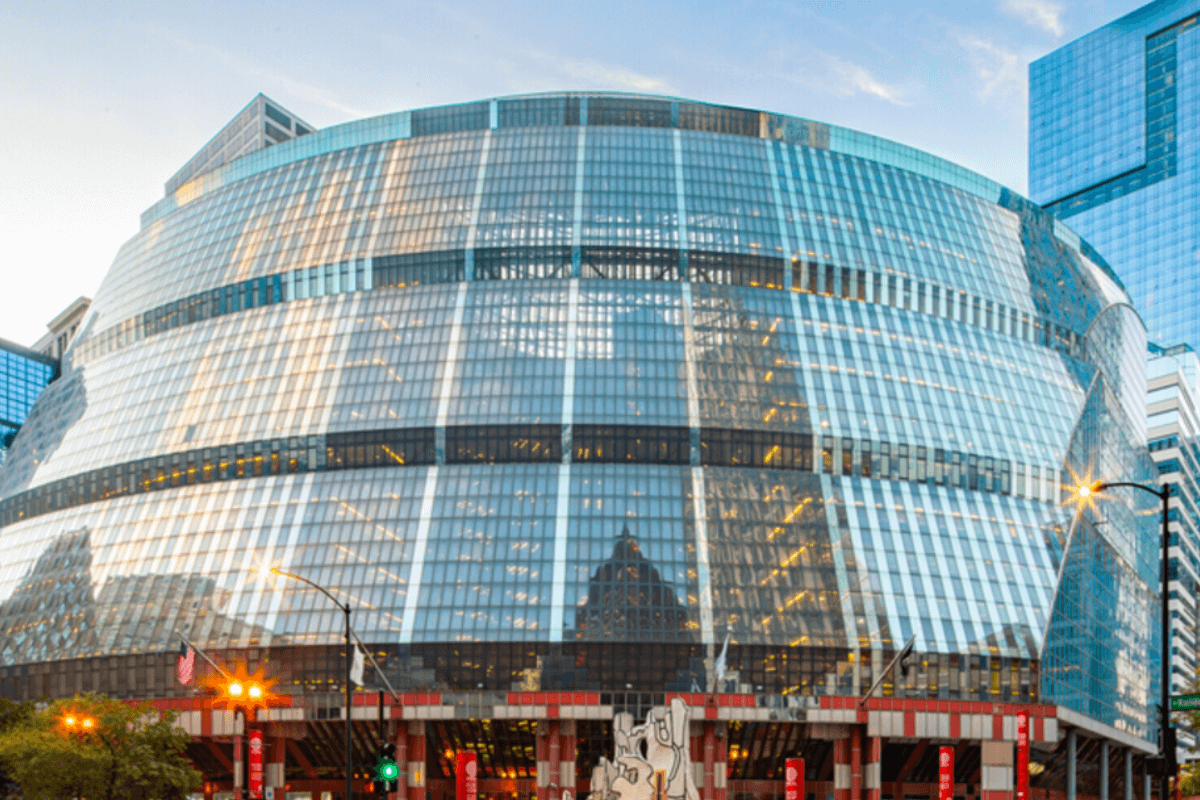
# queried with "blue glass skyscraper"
point(23, 375)
point(1113, 134)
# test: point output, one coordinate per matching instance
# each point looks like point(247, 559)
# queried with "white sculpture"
point(660, 744)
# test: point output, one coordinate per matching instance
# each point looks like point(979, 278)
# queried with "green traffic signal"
point(386, 770)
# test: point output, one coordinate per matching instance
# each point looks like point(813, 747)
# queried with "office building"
point(560, 393)
point(1114, 127)
point(61, 330)
point(1171, 427)
point(23, 375)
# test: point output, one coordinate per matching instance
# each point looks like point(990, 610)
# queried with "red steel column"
point(856, 776)
point(239, 763)
point(873, 773)
point(401, 761)
point(542, 749)
point(841, 769)
point(276, 766)
point(566, 764)
point(707, 792)
point(995, 770)
point(416, 758)
point(721, 765)
point(554, 761)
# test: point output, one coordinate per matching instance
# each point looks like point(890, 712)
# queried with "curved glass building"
point(565, 391)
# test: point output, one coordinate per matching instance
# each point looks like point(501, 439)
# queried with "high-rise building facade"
point(1172, 426)
point(562, 392)
point(62, 329)
point(1114, 132)
point(24, 374)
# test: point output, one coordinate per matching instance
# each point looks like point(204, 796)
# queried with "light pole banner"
point(255, 783)
point(946, 773)
point(794, 772)
point(1022, 755)
point(465, 777)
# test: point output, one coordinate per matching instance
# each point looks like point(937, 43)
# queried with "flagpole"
point(908, 646)
point(203, 654)
point(378, 671)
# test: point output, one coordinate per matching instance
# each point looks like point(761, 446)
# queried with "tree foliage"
point(12, 715)
point(129, 751)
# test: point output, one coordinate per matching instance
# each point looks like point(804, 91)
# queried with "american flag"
point(185, 665)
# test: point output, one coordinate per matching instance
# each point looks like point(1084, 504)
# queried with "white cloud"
point(1038, 13)
point(850, 78)
point(843, 78)
point(1001, 71)
point(602, 75)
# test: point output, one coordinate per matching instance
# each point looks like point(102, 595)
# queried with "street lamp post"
point(244, 694)
point(345, 607)
point(1164, 496)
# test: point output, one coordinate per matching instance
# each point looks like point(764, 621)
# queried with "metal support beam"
point(1128, 773)
point(1072, 767)
point(1104, 770)
point(297, 754)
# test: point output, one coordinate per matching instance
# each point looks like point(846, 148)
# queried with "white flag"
point(356, 668)
point(720, 668)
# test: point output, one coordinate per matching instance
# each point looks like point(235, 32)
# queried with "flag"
point(722, 665)
point(185, 665)
point(356, 668)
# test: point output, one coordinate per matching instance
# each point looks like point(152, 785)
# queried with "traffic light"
point(387, 771)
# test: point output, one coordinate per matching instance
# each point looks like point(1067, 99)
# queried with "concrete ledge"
point(1068, 717)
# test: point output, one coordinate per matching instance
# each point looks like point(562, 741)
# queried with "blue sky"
point(104, 101)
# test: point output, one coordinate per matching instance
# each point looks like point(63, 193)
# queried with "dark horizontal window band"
point(605, 111)
point(530, 444)
point(590, 262)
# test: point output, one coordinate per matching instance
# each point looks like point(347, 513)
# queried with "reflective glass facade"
point(1114, 127)
point(23, 376)
point(562, 390)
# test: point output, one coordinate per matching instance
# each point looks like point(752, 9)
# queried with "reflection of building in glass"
point(56, 611)
point(628, 601)
point(831, 388)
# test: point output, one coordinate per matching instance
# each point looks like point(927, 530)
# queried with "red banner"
point(794, 772)
point(465, 778)
point(255, 783)
point(946, 773)
point(1022, 755)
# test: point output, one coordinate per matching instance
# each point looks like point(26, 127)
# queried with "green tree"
point(1189, 783)
point(102, 749)
point(12, 715)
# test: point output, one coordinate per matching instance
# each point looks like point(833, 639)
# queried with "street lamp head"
point(88, 723)
point(241, 689)
point(69, 721)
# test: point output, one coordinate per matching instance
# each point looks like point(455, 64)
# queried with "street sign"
point(1185, 702)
